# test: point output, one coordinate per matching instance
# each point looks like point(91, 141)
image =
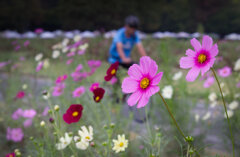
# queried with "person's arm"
point(121, 53)
point(141, 50)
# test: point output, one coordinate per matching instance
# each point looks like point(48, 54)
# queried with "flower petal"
point(205, 69)
point(153, 68)
point(145, 64)
point(152, 90)
point(129, 85)
point(135, 72)
point(190, 53)
point(192, 74)
point(196, 44)
point(186, 62)
point(133, 99)
point(207, 42)
point(143, 101)
point(157, 78)
point(214, 50)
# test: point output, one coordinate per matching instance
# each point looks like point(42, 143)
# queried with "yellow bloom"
point(120, 144)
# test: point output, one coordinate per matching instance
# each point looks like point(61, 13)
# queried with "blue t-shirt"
point(128, 44)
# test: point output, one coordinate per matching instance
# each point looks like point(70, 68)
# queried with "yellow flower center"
point(202, 58)
point(74, 114)
point(11, 155)
point(113, 71)
point(87, 138)
point(144, 83)
point(97, 98)
point(121, 144)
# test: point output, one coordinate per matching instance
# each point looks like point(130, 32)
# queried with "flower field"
point(60, 97)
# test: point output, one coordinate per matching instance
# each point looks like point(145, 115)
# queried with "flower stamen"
point(202, 58)
point(144, 83)
point(74, 114)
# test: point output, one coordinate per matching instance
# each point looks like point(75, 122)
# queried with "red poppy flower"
point(73, 113)
point(112, 70)
point(98, 94)
point(20, 95)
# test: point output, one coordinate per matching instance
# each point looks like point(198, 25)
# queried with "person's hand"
point(126, 60)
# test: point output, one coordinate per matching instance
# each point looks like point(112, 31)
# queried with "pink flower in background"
point(14, 42)
point(15, 134)
point(11, 155)
point(78, 92)
point(22, 58)
point(62, 78)
point(38, 30)
point(17, 114)
point(3, 64)
point(94, 63)
point(91, 72)
point(94, 86)
point(81, 52)
point(142, 82)
point(79, 68)
point(69, 61)
point(225, 71)
point(70, 54)
point(30, 113)
point(238, 85)
point(79, 76)
point(39, 66)
point(209, 82)
point(201, 59)
point(113, 80)
point(58, 89)
point(45, 111)
point(17, 47)
point(20, 95)
point(26, 43)
point(27, 123)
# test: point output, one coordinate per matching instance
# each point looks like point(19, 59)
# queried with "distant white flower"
point(81, 144)
point(177, 76)
point(213, 104)
point(73, 49)
point(120, 144)
point(65, 42)
point(42, 123)
point(212, 96)
point(77, 38)
point(230, 114)
point(46, 95)
point(206, 116)
point(237, 65)
point(86, 134)
point(46, 63)
point(64, 49)
point(237, 95)
point(24, 86)
point(38, 57)
point(55, 54)
point(83, 47)
point(222, 84)
point(197, 117)
point(64, 142)
point(233, 105)
point(167, 92)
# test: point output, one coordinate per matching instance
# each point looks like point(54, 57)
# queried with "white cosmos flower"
point(81, 144)
point(64, 49)
point(230, 114)
point(38, 57)
point(64, 142)
point(206, 116)
point(83, 47)
point(237, 95)
point(46, 63)
point(120, 144)
point(233, 105)
point(65, 42)
point(77, 38)
point(197, 117)
point(177, 76)
point(86, 134)
point(213, 104)
point(167, 92)
point(55, 54)
point(212, 96)
point(237, 65)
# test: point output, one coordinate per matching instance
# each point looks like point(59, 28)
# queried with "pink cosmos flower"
point(17, 47)
point(225, 71)
point(94, 86)
point(26, 43)
point(209, 82)
point(62, 78)
point(113, 80)
point(58, 89)
point(17, 114)
point(15, 134)
point(45, 111)
point(20, 95)
point(3, 64)
point(38, 30)
point(142, 82)
point(81, 52)
point(201, 59)
point(238, 85)
point(78, 92)
point(11, 155)
point(78, 76)
point(79, 68)
point(69, 61)
point(27, 123)
point(94, 63)
point(70, 54)
point(39, 66)
point(22, 58)
point(30, 113)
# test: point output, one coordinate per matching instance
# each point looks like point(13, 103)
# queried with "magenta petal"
point(186, 62)
point(207, 42)
point(153, 68)
point(192, 74)
point(145, 64)
point(135, 72)
point(133, 99)
point(143, 101)
point(157, 78)
point(196, 44)
point(205, 69)
point(190, 53)
point(152, 90)
point(214, 50)
point(129, 85)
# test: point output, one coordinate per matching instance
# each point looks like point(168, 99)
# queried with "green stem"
point(175, 122)
point(147, 123)
point(225, 108)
